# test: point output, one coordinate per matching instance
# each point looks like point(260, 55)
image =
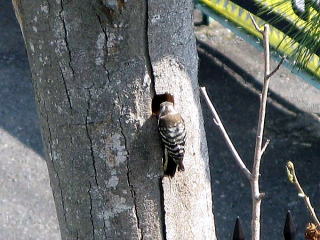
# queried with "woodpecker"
point(173, 135)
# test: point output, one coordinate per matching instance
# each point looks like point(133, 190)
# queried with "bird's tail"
point(170, 167)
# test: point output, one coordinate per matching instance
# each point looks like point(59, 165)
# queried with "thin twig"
point(277, 68)
point(255, 24)
point(293, 179)
point(218, 122)
point(265, 146)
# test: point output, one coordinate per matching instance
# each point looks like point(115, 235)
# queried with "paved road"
point(26, 203)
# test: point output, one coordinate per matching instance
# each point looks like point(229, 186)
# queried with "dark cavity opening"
point(158, 99)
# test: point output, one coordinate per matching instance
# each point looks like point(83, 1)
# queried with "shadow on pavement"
point(17, 108)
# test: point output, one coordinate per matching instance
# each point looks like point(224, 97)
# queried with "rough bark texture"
point(96, 66)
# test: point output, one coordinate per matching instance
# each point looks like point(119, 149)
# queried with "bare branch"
point(255, 24)
point(265, 146)
point(263, 104)
point(277, 68)
point(215, 121)
point(256, 202)
point(293, 179)
point(218, 122)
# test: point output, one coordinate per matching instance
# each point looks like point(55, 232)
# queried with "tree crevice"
point(90, 140)
point(66, 88)
point(91, 211)
point(153, 90)
point(61, 15)
point(163, 212)
point(147, 49)
point(93, 159)
point(130, 185)
point(65, 37)
point(106, 47)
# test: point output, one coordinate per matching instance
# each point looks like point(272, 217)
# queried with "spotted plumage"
point(173, 134)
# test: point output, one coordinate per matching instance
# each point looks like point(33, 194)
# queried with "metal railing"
point(289, 229)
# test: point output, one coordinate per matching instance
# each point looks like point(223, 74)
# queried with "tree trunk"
point(96, 66)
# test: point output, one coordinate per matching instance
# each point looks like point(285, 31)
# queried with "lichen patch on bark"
point(112, 182)
point(115, 151)
point(100, 46)
point(115, 206)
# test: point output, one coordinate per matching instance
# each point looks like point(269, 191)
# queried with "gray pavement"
point(231, 70)
point(26, 204)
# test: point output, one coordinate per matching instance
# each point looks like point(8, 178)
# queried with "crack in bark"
point(106, 47)
point(65, 87)
point(93, 164)
point(65, 35)
point(133, 192)
point(87, 124)
point(163, 212)
point(68, 49)
point(90, 140)
point(54, 167)
point(104, 227)
point(147, 48)
point(91, 209)
point(153, 90)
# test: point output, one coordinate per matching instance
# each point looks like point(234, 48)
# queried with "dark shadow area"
point(234, 94)
point(245, 77)
point(17, 108)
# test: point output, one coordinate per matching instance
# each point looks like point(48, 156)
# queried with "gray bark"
point(96, 66)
